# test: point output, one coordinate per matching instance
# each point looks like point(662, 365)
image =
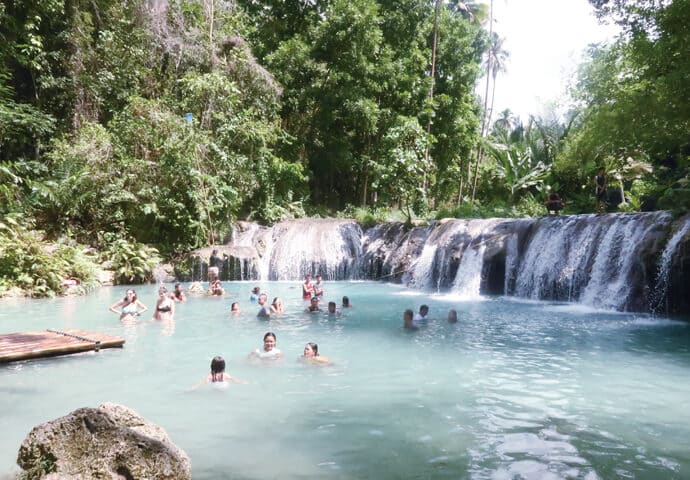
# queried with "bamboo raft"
point(49, 343)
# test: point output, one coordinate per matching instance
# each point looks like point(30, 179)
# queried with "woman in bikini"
point(130, 307)
point(165, 306)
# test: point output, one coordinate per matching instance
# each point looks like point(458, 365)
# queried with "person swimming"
point(452, 316)
point(178, 294)
point(313, 306)
point(269, 351)
point(346, 302)
point(265, 310)
point(254, 297)
point(311, 355)
point(235, 308)
point(218, 375)
point(408, 320)
point(277, 306)
point(422, 318)
point(131, 307)
point(332, 310)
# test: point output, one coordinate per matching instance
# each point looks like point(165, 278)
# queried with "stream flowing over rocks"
point(625, 262)
point(108, 442)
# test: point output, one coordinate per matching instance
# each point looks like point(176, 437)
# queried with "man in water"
point(332, 310)
point(313, 306)
point(318, 286)
point(265, 310)
point(421, 319)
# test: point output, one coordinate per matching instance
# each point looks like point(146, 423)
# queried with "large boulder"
point(108, 442)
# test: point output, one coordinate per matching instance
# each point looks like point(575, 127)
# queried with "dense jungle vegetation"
point(133, 127)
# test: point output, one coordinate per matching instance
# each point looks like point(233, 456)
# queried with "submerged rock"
point(108, 442)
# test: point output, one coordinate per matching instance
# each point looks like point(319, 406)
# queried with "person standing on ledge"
point(600, 181)
point(553, 203)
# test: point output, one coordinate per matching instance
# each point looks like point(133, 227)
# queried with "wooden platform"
point(49, 343)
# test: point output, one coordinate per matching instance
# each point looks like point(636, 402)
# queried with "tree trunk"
point(486, 119)
point(434, 45)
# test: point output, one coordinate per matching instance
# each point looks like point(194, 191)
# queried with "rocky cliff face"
point(110, 441)
point(636, 262)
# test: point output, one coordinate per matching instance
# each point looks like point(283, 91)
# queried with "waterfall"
point(611, 261)
point(555, 261)
point(609, 286)
point(512, 262)
point(468, 280)
point(661, 285)
point(326, 246)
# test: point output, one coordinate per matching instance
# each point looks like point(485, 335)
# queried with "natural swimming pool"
point(513, 390)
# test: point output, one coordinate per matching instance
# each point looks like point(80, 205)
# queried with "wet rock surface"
point(108, 442)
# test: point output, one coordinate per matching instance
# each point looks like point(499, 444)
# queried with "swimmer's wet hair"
point(217, 365)
point(314, 347)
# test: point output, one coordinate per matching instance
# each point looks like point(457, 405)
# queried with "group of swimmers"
point(412, 321)
point(269, 352)
point(131, 307)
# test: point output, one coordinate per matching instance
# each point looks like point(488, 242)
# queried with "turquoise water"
point(513, 390)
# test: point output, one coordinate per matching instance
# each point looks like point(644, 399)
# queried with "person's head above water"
point(331, 307)
point(408, 317)
point(262, 298)
point(346, 301)
point(162, 291)
point(217, 365)
point(269, 341)
point(424, 310)
point(130, 295)
point(235, 307)
point(311, 350)
point(452, 316)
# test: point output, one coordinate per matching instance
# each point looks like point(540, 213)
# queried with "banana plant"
point(515, 168)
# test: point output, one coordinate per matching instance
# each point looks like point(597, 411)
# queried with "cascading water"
point(609, 284)
point(468, 280)
point(606, 261)
point(555, 261)
point(326, 246)
point(661, 286)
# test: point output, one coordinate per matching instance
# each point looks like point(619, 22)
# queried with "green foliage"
point(367, 217)
point(515, 168)
point(37, 267)
point(634, 96)
point(131, 261)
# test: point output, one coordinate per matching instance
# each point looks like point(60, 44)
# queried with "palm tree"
point(505, 120)
point(489, 61)
point(497, 56)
